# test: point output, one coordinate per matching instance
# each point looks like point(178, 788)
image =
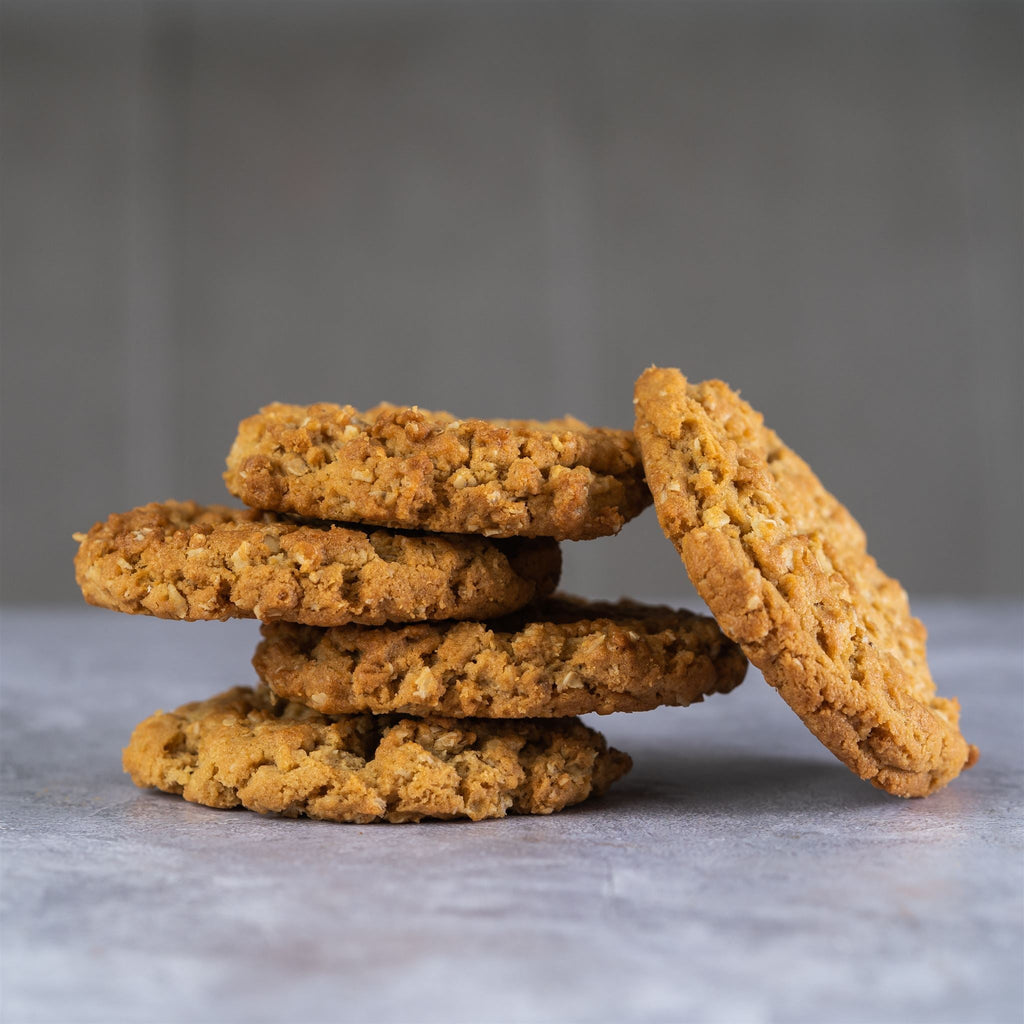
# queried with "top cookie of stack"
point(411, 469)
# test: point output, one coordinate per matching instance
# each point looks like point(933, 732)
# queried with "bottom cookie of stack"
point(246, 748)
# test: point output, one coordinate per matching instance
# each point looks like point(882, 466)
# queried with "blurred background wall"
point(512, 209)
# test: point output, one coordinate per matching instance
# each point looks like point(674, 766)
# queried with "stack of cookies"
point(415, 662)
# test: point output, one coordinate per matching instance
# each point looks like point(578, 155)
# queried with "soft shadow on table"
point(661, 784)
point(720, 782)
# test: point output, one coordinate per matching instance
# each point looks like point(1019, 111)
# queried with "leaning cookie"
point(557, 658)
point(242, 748)
point(784, 568)
point(179, 560)
point(412, 469)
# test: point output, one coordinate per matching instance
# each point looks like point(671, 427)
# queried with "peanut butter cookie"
point(242, 748)
point(560, 657)
point(784, 568)
point(408, 468)
point(178, 560)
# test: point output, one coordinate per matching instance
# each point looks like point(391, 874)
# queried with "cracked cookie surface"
point(561, 657)
point(784, 568)
point(244, 749)
point(408, 468)
point(180, 560)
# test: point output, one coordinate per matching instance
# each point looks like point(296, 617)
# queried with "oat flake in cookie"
point(412, 469)
point(243, 749)
point(784, 569)
point(179, 560)
point(559, 657)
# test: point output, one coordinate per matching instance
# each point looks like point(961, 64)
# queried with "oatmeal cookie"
point(408, 468)
point(784, 568)
point(558, 658)
point(243, 748)
point(179, 560)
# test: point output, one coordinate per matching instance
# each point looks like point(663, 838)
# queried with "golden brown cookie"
point(243, 748)
point(408, 468)
point(558, 658)
point(178, 560)
point(784, 568)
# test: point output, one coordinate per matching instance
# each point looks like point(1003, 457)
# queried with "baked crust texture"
point(179, 560)
point(408, 468)
point(561, 657)
point(784, 568)
point(243, 748)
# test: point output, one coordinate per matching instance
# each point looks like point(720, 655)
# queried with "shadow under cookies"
point(723, 783)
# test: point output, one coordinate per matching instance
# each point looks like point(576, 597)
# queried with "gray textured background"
point(511, 209)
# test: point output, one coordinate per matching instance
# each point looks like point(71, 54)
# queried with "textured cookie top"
point(784, 568)
point(408, 468)
point(242, 748)
point(179, 560)
point(556, 658)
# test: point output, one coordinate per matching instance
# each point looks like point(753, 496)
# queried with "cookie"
point(242, 748)
point(412, 469)
point(784, 568)
point(178, 560)
point(561, 657)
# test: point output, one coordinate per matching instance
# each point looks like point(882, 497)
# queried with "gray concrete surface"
point(512, 209)
point(738, 874)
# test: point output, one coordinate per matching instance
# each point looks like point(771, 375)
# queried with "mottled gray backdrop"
point(512, 209)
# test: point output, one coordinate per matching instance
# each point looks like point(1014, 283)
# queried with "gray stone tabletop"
point(738, 874)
